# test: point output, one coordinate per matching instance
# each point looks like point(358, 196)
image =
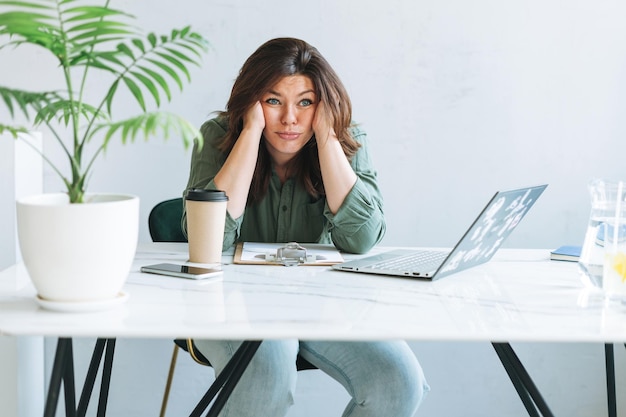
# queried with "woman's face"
point(289, 109)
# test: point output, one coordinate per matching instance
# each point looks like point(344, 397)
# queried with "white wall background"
point(22, 363)
point(459, 99)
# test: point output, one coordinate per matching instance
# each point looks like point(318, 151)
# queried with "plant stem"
point(75, 114)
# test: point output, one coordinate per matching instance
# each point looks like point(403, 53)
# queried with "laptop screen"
point(494, 224)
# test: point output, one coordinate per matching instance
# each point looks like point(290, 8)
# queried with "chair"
point(164, 223)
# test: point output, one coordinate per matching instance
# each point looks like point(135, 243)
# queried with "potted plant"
point(77, 246)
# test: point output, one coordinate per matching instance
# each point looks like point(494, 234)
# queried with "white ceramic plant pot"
point(78, 252)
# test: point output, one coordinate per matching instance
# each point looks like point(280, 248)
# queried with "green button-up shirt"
point(288, 213)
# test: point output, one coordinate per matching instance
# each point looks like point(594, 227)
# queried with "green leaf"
point(90, 26)
point(8, 102)
point(94, 63)
point(152, 39)
point(125, 50)
point(110, 95)
point(107, 35)
point(185, 31)
point(28, 27)
point(147, 82)
point(136, 91)
point(86, 40)
point(92, 13)
point(64, 111)
point(152, 124)
point(159, 79)
point(193, 48)
point(176, 63)
point(110, 132)
point(27, 5)
point(180, 55)
point(12, 130)
point(109, 56)
point(139, 44)
point(26, 100)
point(168, 70)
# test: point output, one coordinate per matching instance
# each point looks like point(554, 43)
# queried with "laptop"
point(494, 224)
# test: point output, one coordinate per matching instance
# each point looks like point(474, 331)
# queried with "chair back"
point(164, 221)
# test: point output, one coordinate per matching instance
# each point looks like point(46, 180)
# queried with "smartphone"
point(182, 271)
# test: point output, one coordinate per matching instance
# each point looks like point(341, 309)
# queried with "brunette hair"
point(271, 62)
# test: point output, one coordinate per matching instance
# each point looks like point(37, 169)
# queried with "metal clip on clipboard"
point(292, 254)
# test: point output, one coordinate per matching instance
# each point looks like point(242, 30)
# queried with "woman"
point(296, 169)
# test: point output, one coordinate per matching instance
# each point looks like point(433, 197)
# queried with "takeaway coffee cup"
point(206, 216)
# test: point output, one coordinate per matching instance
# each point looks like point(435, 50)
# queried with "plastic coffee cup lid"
point(197, 194)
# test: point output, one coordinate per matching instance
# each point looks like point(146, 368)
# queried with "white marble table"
point(519, 296)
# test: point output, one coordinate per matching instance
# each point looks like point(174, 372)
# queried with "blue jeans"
point(383, 378)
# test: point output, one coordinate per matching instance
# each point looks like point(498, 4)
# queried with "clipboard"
point(317, 254)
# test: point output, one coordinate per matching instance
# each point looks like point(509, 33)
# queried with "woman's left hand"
point(323, 124)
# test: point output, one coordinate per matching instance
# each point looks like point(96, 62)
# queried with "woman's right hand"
point(236, 174)
point(254, 118)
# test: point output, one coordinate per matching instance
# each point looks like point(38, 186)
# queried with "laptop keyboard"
point(423, 261)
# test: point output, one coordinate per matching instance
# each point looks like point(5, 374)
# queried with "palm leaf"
point(63, 110)
point(139, 45)
point(124, 49)
point(65, 31)
point(12, 130)
point(29, 27)
point(96, 35)
point(27, 5)
point(97, 39)
point(136, 92)
point(147, 82)
point(92, 13)
point(109, 97)
point(180, 55)
point(91, 26)
point(150, 124)
point(152, 57)
point(176, 63)
point(167, 69)
point(26, 101)
point(159, 79)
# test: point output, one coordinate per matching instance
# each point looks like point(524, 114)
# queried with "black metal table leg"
point(69, 384)
point(107, 368)
point(226, 380)
point(524, 385)
point(62, 360)
point(611, 396)
point(63, 372)
point(517, 382)
point(91, 377)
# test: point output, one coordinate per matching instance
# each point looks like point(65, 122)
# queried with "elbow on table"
point(360, 243)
